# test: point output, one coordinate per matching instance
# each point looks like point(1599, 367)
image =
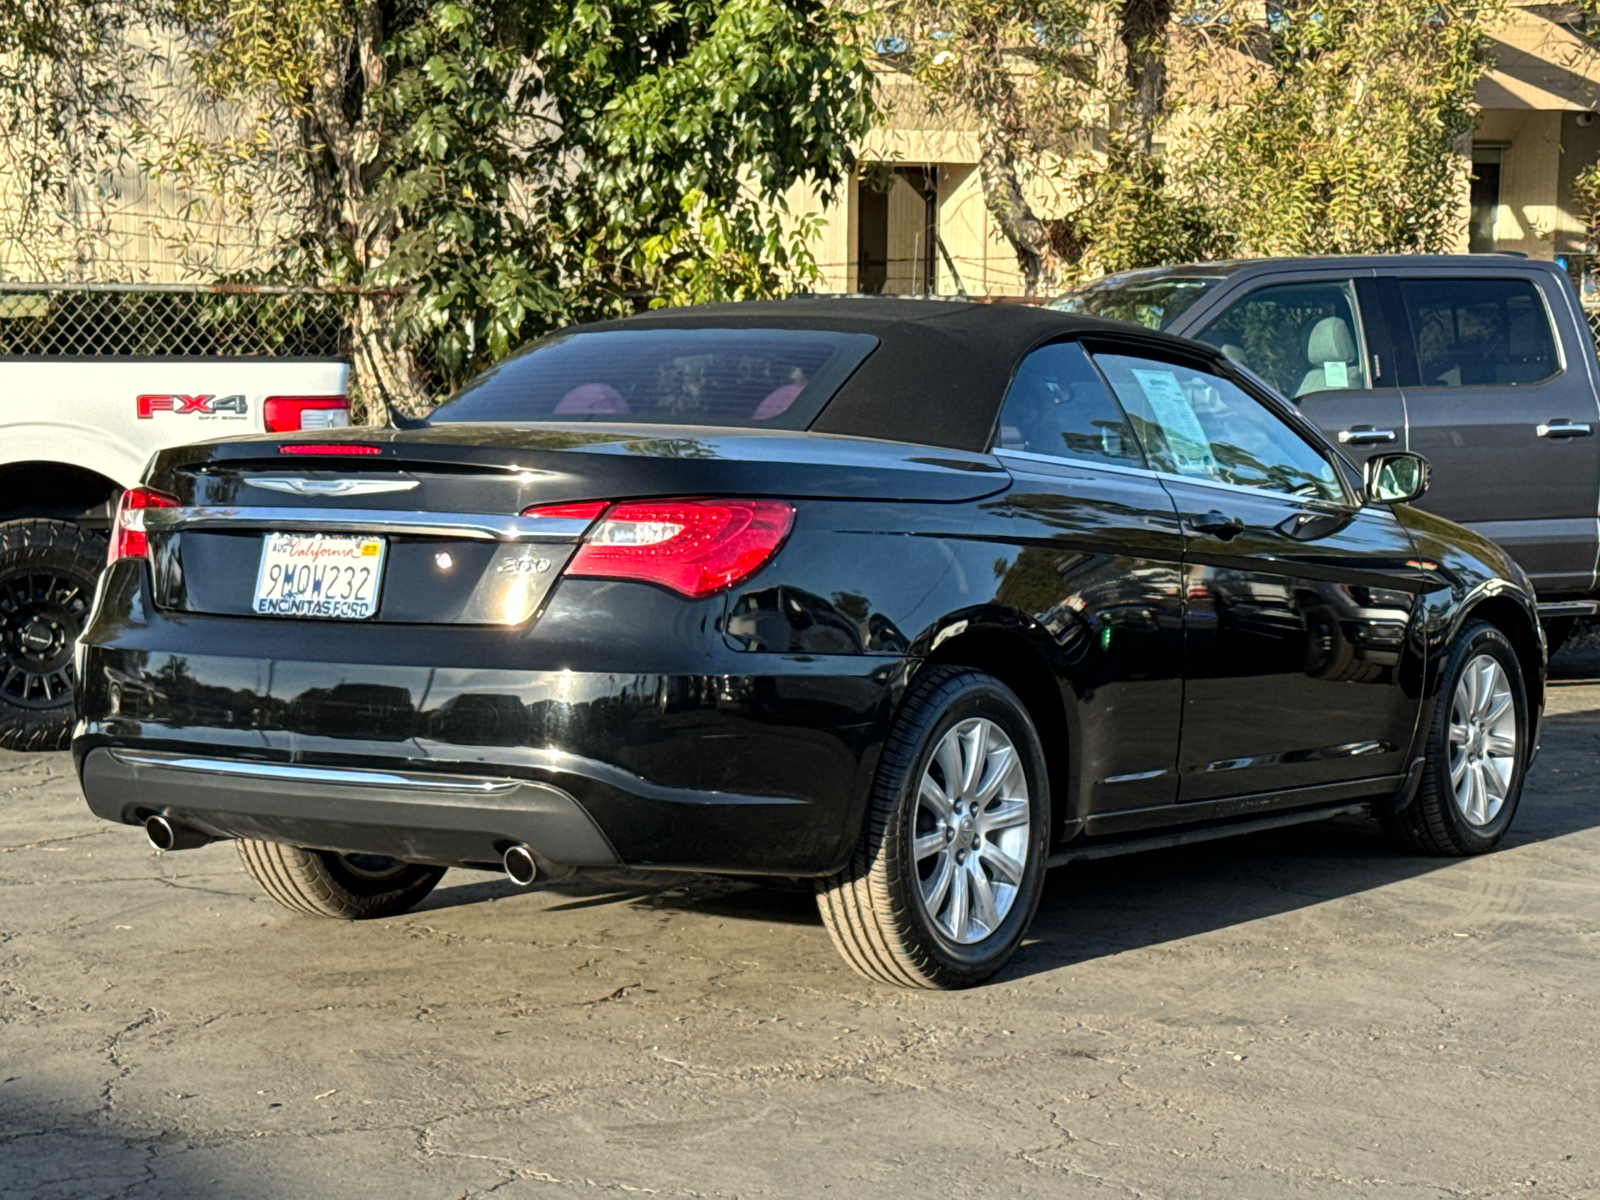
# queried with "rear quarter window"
point(740, 378)
point(1478, 332)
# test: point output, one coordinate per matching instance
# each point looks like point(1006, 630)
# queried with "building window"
point(897, 230)
point(1486, 162)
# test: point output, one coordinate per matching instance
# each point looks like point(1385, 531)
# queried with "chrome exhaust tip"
point(519, 865)
point(167, 835)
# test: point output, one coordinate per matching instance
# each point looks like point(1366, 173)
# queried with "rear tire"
point(48, 574)
point(349, 887)
point(946, 878)
point(1477, 751)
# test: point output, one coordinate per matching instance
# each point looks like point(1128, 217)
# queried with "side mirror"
point(1395, 478)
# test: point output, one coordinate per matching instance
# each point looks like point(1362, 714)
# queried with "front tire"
point(324, 883)
point(1477, 751)
point(48, 574)
point(947, 875)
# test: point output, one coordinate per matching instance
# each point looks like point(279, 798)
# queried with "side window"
point(1299, 337)
point(1193, 423)
point(1478, 332)
point(1058, 405)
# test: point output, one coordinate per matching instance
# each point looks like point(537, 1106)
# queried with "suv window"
point(1058, 405)
point(1194, 423)
point(1477, 332)
point(1299, 337)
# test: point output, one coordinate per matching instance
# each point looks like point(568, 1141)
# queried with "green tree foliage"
point(1126, 133)
point(476, 172)
point(1340, 133)
point(65, 85)
point(506, 166)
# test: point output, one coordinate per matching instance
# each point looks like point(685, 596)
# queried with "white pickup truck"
point(76, 431)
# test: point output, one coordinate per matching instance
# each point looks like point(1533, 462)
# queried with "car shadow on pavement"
point(783, 902)
point(1105, 907)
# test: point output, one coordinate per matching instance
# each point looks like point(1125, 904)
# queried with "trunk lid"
point(446, 501)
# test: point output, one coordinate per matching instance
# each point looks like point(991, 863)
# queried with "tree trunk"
point(386, 381)
point(1143, 27)
point(1007, 202)
point(999, 134)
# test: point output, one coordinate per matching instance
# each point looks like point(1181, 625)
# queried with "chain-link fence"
point(161, 321)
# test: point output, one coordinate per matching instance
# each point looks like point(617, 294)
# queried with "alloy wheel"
point(971, 833)
point(41, 614)
point(1483, 740)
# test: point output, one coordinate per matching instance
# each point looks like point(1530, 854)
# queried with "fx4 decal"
point(205, 406)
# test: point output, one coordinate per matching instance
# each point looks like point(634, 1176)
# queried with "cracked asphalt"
point(1305, 1013)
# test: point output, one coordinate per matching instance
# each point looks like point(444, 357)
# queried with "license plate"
point(308, 575)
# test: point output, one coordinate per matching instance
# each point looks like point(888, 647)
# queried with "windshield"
point(744, 378)
point(1150, 300)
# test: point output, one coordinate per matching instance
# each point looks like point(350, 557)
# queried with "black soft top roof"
point(940, 370)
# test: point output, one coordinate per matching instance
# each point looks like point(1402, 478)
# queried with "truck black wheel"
point(947, 875)
point(48, 573)
point(1477, 751)
point(323, 883)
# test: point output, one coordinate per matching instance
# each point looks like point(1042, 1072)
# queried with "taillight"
point(691, 546)
point(289, 414)
point(128, 538)
point(587, 510)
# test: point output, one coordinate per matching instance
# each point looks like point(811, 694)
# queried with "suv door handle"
point(1365, 435)
point(1562, 429)
point(1218, 524)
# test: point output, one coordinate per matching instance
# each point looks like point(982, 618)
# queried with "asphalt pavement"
point(1303, 1013)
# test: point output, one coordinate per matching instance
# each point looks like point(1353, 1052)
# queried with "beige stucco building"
point(930, 232)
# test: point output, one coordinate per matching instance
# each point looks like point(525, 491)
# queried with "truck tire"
point(349, 887)
point(48, 574)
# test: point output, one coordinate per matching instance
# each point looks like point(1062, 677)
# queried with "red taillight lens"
point(289, 414)
point(691, 546)
point(128, 538)
point(586, 511)
point(316, 448)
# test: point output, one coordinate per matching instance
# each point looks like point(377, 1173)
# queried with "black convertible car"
point(915, 599)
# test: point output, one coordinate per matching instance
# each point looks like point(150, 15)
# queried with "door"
point(1090, 552)
point(1298, 600)
point(1307, 338)
point(1507, 424)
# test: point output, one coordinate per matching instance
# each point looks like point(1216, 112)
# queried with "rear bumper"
point(756, 773)
point(453, 820)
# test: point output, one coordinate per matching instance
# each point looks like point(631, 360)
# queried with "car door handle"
point(1562, 429)
point(1218, 524)
point(1365, 435)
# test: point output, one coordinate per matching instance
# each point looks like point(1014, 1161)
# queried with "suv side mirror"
point(1395, 478)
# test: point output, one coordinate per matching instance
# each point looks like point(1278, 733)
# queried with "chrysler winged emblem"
point(333, 487)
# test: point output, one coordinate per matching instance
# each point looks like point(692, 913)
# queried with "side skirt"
point(1161, 841)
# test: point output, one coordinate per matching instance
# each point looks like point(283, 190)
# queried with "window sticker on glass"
point(1336, 374)
point(1187, 441)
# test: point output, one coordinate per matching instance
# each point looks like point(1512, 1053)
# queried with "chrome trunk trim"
point(488, 527)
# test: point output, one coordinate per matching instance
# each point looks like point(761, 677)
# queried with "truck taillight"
point(695, 547)
point(289, 414)
point(128, 538)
